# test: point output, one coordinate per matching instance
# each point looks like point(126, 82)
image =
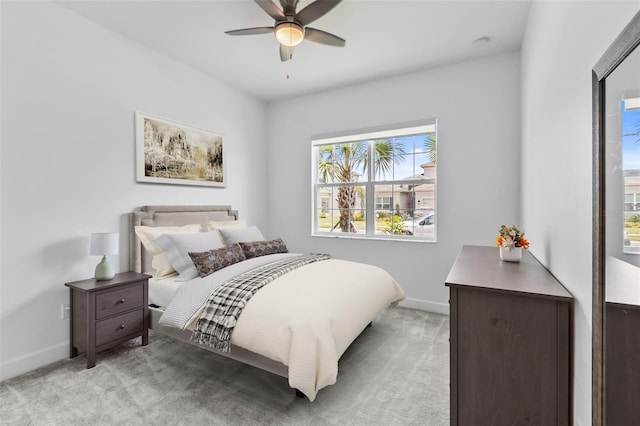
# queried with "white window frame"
point(428, 126)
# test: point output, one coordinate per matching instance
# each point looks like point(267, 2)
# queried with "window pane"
point(324, 208)
point(392, 158)
point(382, 218)
point(383, 156)
point(422, 225)
point(403, 167)
point(349, 209)
point(324, 219)
point(429, 145)
point(324, 197)
point(325, 166)
point(391, 205)
point(423, 169)
point(424, 198)
point(350, 161)
point(360, 220)
point(388, 223)
point(403, 153)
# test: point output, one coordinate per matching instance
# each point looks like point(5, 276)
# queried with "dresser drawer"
point(123, 299)
point(117, 327)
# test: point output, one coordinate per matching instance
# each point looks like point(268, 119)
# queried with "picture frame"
point(170, 152)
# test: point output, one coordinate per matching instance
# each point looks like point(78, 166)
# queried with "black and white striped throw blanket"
point(224, 305)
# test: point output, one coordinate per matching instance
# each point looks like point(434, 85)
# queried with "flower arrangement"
point(511, 237)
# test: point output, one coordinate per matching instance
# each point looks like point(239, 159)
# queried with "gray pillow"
point(246, 235)
point(213, 260)
point(263, 248)
point(178, 247)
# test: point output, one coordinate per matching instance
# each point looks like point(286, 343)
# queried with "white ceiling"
point(384, 38)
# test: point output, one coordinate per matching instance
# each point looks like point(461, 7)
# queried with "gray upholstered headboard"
point(139, 260)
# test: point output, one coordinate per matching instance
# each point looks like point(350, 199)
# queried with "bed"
point(297, 327)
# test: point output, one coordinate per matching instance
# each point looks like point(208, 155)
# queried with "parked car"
point(417, 225)
point(427, 220)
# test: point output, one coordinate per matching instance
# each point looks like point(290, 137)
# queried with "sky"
point(630, 139)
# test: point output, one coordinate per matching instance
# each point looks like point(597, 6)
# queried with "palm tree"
point(341, 163)
point(431, 146)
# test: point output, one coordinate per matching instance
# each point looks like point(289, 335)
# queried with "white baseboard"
point(426, 305)
point(26, 363)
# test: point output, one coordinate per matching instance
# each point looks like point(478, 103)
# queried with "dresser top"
point(122, 278)
point(480, 267)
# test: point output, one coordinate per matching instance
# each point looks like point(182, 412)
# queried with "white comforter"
point(305, 319)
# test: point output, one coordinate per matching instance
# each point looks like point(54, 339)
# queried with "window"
point(379, 184)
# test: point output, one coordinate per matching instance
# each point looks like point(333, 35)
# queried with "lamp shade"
point(104, 243)
point(289, 34)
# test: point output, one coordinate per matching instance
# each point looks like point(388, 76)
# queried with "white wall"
point(562, 43)
point(69, 92)
point(477, 104)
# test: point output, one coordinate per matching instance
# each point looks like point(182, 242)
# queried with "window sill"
point(376, 238)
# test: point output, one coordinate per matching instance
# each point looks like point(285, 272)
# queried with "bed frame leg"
point(299, 394)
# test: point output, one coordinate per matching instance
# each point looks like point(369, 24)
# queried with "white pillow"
point(247, 235)
point(178, 247)
point(160, 262)
point(227, 224)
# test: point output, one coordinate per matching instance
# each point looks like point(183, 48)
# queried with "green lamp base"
point(105, 270)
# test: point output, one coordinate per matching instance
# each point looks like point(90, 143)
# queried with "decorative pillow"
point(263, 248)
point(160, 262)
point(210, 261)
point(178, 247)
point(227, 224)
point(232, 236)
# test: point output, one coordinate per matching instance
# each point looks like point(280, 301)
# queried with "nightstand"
point(107, 313)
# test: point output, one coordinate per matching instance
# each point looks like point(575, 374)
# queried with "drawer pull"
point(121, 327)
point(121, 301)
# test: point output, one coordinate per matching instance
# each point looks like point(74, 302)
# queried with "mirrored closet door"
point(617, 244)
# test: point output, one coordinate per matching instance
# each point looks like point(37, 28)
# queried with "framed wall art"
point(175, 153)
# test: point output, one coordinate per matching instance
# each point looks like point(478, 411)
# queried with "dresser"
point(510, 340)
point(107, 313)
point(622, 343)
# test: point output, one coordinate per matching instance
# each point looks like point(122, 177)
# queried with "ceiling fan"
point(290, 28)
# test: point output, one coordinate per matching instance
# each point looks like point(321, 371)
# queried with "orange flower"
point(498, 241)
point(523, 243)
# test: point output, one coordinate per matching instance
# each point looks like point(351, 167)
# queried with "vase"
point(511, 254)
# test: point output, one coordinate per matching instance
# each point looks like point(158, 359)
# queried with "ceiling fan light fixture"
point(289, 34)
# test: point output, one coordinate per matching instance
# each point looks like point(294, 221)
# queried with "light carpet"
point(395, 373)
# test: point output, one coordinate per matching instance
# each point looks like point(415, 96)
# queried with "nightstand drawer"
point(117, 327)
point(114, 302)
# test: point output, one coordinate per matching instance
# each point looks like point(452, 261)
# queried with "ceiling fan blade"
point(315, 10)
point(286, 53)
point(323, 37)
point(271, 9)
point(250, 31)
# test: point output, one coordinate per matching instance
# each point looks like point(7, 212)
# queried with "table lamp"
point(103, 244)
